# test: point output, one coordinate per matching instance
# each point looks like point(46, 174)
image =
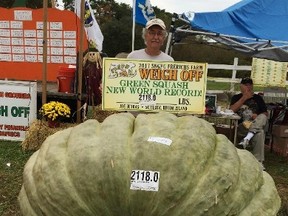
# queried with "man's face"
point(246, 87)
point(155, 37)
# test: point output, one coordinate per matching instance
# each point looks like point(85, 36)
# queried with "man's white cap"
point(157, 22)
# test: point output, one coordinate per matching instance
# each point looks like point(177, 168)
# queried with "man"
point(253, 112)
point(154, 35)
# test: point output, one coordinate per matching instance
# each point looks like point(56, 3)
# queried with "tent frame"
point(251, 46)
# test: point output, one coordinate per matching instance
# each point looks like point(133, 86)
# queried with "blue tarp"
point(259, 24)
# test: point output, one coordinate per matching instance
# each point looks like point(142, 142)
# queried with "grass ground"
point(13, 159)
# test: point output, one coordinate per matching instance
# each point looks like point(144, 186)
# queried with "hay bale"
point(39, 129)
point(99, 114)
point(38, 132)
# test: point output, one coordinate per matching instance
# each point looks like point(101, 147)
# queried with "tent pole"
point(172, 30)
point(168, 42)
point(133, 25)
point(80, 59)
point(44, 66)
point(53, 4)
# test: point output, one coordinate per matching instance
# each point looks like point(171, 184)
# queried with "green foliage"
point(6, 3)
point(197, 49)
point(110, 31)
point(24, 3)
point(34, 4)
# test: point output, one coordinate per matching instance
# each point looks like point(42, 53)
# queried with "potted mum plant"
point(54, 112)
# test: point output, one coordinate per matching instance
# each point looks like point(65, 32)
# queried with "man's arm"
point(236, 106)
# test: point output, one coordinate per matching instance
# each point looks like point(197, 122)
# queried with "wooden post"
point(232, 85)
point(44, 66)
point(53, 3)
point(80, 63)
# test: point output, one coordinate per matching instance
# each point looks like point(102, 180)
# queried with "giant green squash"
point(179, 166)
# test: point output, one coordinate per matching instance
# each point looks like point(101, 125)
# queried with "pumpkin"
point(151, 165)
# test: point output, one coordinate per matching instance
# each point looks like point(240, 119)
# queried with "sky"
point(181, 6)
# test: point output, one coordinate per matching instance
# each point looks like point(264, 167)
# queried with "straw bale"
point(97, 113)
point(38, 132)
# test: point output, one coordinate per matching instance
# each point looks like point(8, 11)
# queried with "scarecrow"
point(92, 72)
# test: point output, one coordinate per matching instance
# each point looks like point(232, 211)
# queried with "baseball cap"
point(157, 22)
point(247, 80)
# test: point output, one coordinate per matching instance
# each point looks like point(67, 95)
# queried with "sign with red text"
point(18, 105)
point(154, 86)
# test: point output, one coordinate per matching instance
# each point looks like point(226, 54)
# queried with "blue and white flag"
point(143, 12)
point(92, 29)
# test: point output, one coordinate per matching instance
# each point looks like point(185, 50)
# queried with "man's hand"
point(254, 115)
point(247, 93)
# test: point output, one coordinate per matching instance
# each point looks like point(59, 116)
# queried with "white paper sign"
point(17, 24)
point(144, 180)
point(56, 59)
point(30, 41)
point(55, 34)
point(16, 33)
point(23, 15)
point(70, 60)
point(4, 33)
point(30, 33)
point(5, 49)
point(70, 51)
point(56, 25)
point(70, 34)
point(17, 41)
point(17, 49)
point(4, 24)
point(5, 57)
point(18, 58)
point(70, 43)
point(161, 140)
point(4, 41)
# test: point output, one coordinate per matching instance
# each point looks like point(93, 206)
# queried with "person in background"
point(154, 35)
point(253, 112)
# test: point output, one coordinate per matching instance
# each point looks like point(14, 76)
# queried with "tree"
point(24, 3)
point(6, 3)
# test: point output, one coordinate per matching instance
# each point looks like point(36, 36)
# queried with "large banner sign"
point(18, 102)
point(154, 86)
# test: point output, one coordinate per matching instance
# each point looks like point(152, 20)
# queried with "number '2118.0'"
point(147, 97)
point(143, 175)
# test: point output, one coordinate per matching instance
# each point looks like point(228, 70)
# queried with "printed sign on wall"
point(154, 86)
point(18, 104)
point(269, 73)
point(22, 39)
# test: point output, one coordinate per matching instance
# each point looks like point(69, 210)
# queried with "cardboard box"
point(280, 130)
point(280, 145)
